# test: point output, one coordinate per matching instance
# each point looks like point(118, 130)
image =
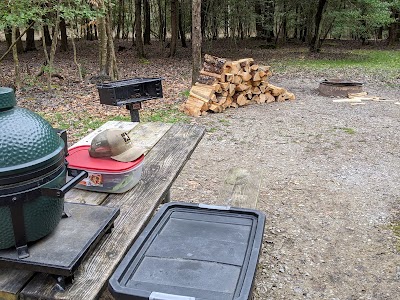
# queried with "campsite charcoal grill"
point(131, 93)
point(33, 184)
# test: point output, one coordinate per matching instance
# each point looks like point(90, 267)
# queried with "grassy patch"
point(185, 93)
point(224, 121)
point(369, 59)
point(346, 130)
point(165, 115)
point(80, 125)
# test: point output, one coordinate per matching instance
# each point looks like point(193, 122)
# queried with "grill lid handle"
point(60, 193)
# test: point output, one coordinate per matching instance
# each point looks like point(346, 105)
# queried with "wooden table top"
point(169, 146)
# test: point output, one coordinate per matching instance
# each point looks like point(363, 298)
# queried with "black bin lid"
point(192, 251)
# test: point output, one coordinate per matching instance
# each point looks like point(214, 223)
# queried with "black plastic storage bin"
point(130, 91)
point(192, 252)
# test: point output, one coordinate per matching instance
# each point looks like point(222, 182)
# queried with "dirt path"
point(330, 188)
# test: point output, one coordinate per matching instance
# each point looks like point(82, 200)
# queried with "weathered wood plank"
point(12, 282)
point(81, 196)
point(145, 135)
point(161, 166)
point(241, 188)
point(110, 124)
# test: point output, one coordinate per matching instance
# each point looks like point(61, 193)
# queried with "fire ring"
point(339, 87)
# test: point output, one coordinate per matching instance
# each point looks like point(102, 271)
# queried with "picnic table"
point(169, 146)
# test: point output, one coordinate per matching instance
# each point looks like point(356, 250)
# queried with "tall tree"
point(30, 38)
point(196, 39)
point(147, 22)
point(315, 41)
point(121, 17)
point(182, 33)
point(64, 36)
point(174, 27)
point(138, 28)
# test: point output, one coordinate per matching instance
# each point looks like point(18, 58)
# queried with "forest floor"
point(329, 172)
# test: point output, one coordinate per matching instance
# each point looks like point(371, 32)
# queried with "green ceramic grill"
point(32, 175)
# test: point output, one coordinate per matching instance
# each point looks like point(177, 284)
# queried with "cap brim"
point(131, 154)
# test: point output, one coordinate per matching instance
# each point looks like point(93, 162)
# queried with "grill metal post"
point(134, 111)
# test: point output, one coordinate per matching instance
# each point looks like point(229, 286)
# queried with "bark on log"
point(207, 79)
point(217, 61)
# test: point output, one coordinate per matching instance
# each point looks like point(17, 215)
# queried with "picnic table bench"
point(169, 147)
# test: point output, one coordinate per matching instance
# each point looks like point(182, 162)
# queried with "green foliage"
point(185, 93)
point(360, 18)
point(21, 12)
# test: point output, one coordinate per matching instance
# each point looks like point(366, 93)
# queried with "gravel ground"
point(329, 172)
point(330, 176)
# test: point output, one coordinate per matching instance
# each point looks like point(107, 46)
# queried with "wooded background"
point(181, 23)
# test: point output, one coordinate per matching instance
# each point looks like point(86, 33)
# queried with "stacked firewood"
point(224, 84)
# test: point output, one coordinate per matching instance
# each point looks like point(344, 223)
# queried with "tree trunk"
point(78, 65)
point(138, 28)
point(196, 39)
point(181, 31)
point(315, 44)
point(19, 44)
point(174, 27)
point(47, 37)
point(394, 29)
point(8, 34)
point(64, 37)
point(161, 20)
point(120, 24)
point(102, 45)
point(30, 39)
point(53, 48)
point(111, 58)
point(203, 17)
point(146, 33)
point(15, 58)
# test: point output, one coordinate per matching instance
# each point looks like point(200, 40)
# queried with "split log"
point(275, 90)
point(190, 110)
point(241, 100)
point(234, 104)
point(214, 60)
point(242, 87)
point(256, 98)
point(224, 85)
point(229, 77)
point(216, 108)
point(256, 90)
point(221, 100)
point(285, 96)
point(237, 79)
point(218, 76)
point(257, 77)
point(269, 98)
point(212, 68)
point(207, 79)
point(232, 89)
point(227, 103)
point(246, 76)
point(204, 91)
point(195, 102)
point(235, 67)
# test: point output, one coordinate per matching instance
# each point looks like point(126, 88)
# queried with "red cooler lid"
point(79, 158)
